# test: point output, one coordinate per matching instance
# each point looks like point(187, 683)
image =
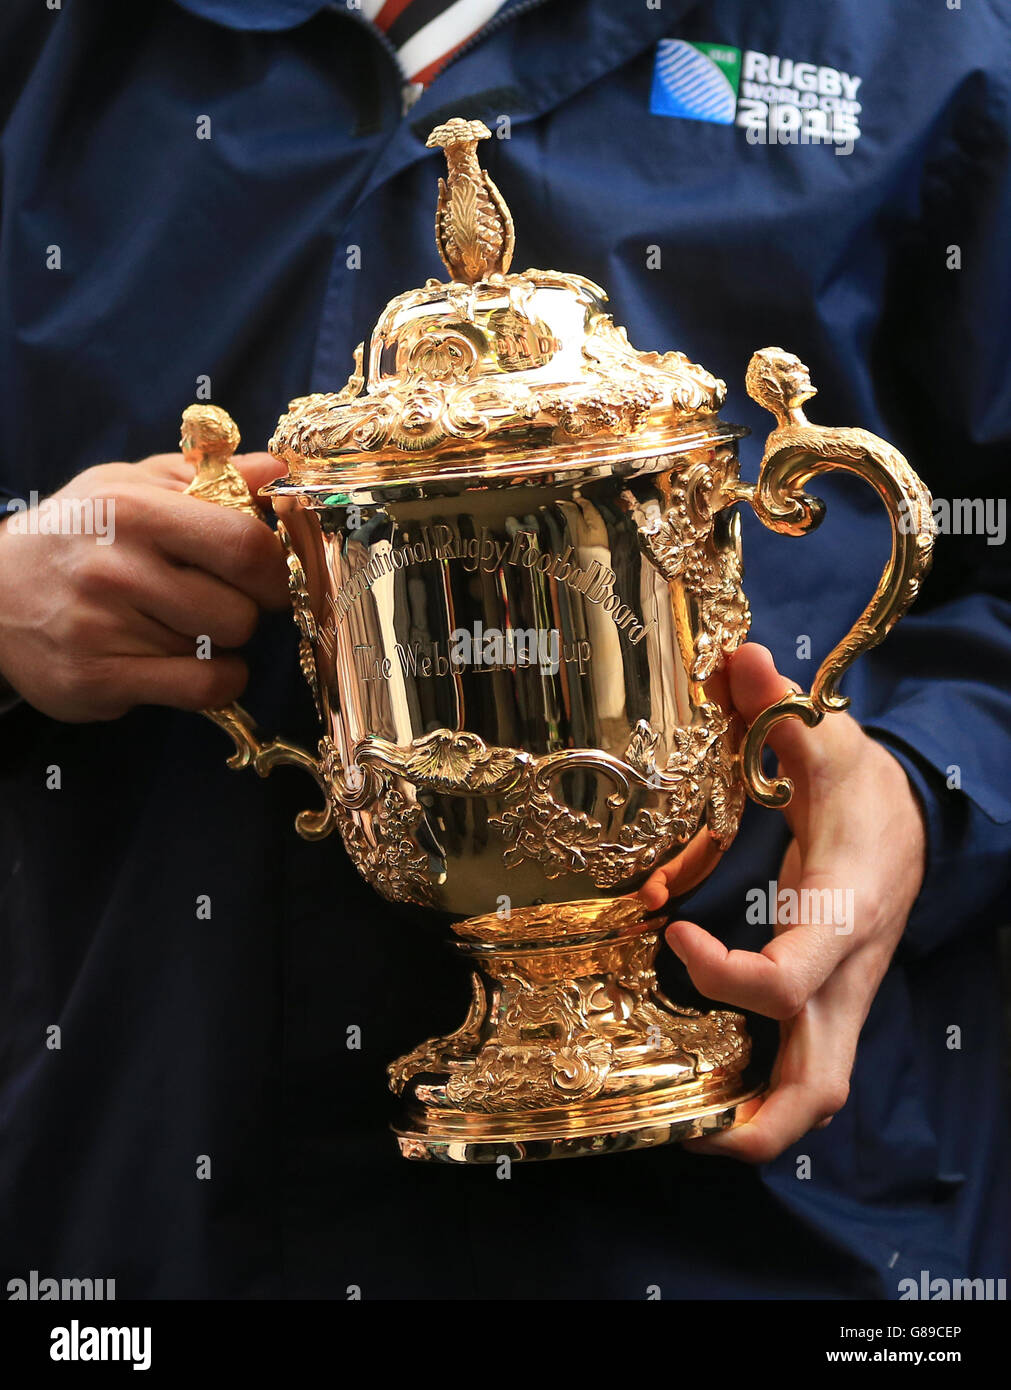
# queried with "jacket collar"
point(254, 14)
point(590, 40)
point(270, 15)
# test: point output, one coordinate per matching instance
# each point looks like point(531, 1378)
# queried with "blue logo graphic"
point(696, 80)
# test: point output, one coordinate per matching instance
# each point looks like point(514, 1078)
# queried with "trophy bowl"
point(514, 560)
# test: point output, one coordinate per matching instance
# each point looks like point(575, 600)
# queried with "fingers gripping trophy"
point(514, 560)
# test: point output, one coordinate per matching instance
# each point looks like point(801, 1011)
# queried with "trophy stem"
point(569, 1046)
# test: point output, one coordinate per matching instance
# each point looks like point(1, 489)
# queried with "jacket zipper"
point(497, 21)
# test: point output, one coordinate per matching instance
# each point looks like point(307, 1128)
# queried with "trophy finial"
point(209, 438)
point(473, 226)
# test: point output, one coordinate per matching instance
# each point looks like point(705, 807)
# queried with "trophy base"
point(569, 1048)
point(514, 1136)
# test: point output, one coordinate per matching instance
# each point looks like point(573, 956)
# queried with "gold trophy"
point(514, 560)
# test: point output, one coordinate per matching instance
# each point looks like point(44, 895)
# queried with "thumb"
point(754, 681)
point(755, 684)
point(258, 470)
point(805, 755)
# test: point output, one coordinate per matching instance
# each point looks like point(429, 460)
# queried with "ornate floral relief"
point(445, 355)
point(304, 616)
point(391, 861)
point(725, 804)
point(682, 546)
point(464, 386)
point(564, 1041)
point(698, 781)
point(436, 1054)
point(704, 751)
point(387, 855)
point(451, 762)
point(306, 415)
point(678, 382)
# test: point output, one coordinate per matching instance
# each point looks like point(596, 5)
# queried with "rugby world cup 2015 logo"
point(775, 100)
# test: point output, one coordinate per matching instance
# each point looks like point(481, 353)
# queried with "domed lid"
point(491, 366)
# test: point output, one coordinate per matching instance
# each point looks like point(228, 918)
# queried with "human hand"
point(88, 630)
point(859, 832)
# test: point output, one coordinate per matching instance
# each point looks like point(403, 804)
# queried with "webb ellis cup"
point(514, 559)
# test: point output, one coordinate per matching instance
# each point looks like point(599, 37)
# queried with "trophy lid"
point(491, 366)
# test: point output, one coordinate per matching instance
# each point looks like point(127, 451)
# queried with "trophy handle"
point(208, 440)
point(795, 453)
point(252, 750)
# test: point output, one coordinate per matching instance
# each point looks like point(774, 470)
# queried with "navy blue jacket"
point(229, 257)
